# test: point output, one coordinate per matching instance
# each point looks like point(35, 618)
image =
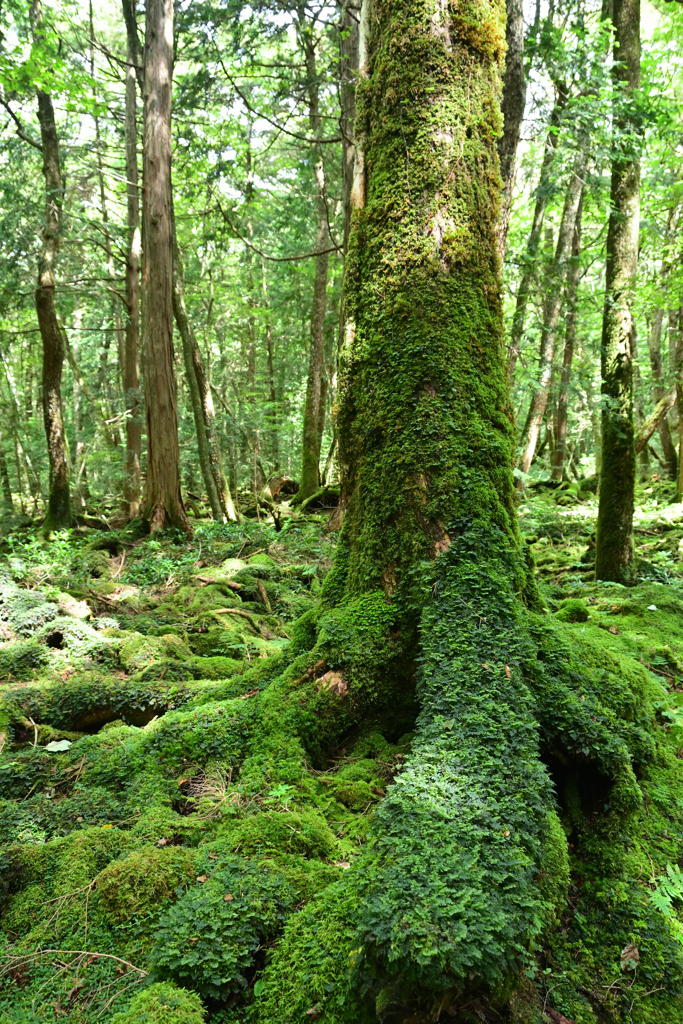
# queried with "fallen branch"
point(244, 615)
point(654, 419)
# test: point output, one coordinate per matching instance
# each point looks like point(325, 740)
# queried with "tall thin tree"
point(59, 514)
point(614, 557)
point(164, 503)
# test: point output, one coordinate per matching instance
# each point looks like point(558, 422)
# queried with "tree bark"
point(655, 348)
point(573, 275)
point(310, 450)
point(513, 103)
point(614, 557)
point(131, 353)
point(164, 504)
point(533, 242)
point(210, 460)
point(350, 37)
point(59, 514)
point(552, 307)
point(425, 454)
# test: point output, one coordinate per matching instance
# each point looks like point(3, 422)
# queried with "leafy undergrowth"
point(156, 841)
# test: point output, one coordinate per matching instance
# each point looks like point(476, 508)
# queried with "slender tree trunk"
point(220, 499)
point(272, 391)
point(59, 515)
point(552, 307)
point(534, 240)
point(131, 355)
point(614, 558)
point(643, 453)
point(7, 499)
point(349, 43)
point(676, 317)
point(573, 275)
point(115, 302)
point(514, 100)
point(164, 504)
point(310, 451)
point(655, 347)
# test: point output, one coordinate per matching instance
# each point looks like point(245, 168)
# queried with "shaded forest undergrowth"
point(157, 839)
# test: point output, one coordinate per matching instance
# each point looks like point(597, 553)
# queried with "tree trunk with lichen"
point(614, 558)
point(164, 504)
point(59, 513)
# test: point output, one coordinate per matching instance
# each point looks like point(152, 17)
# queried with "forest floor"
point(129, 672)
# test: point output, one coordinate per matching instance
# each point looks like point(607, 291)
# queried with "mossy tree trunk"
point(59, 513)
point(614, 540)
point(562, 405)
point(164, 504)
point(429, 537)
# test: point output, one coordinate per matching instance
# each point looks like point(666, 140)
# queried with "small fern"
point(669, 891)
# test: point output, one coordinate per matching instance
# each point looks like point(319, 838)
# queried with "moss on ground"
point(273, 780)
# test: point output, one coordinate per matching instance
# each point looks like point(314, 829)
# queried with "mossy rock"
point(163, 1003)
point(22, 659)
point(303, 832)
point(572, 610)
point(142, 880)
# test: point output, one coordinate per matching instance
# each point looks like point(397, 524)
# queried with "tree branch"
point(265, 256)
point(21, 132)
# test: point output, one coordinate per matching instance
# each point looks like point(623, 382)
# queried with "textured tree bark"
point(614, 558)
point(131, 352)
point(164, 504)
point(210, 460)
point(273, 417)
point(7, 499)
point(512, 106)
point(552, 307)
point(59, 515)
point(310, 450)
point(573, 275)
point(533, 242)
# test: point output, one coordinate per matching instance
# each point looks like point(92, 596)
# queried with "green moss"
point(142, 880)
point(22, 659)
point(302, 832)
point(572, 610)
point(208, 939)
point(163, 1003)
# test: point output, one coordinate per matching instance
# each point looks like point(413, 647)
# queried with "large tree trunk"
point(164, 504)
point(310, 450)
point(210, 460)
point(59, 514)
point(614, 559)
point(560, 450)
point(552, 307)
point(131, 353)
point(514, 99)
point(534, 239)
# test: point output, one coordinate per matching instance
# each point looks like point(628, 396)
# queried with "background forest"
point(341, 611)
